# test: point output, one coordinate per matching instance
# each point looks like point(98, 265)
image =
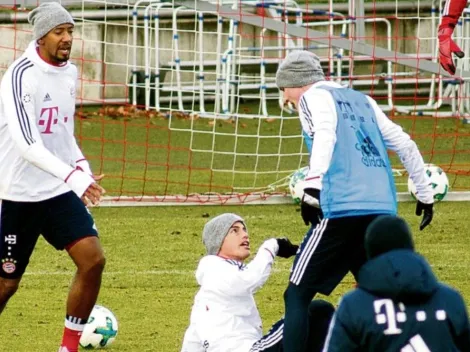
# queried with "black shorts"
point(328, 252)
point(61, 220)
point(320, 313)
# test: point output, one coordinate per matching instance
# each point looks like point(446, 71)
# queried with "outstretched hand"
point(447, 47)
point(286, 248)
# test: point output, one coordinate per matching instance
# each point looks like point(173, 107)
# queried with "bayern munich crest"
point(8, 265)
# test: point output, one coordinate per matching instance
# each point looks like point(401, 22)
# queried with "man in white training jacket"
point(224, 316)
point(45, 181)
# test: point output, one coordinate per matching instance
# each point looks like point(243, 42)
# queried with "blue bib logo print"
point(370, 154)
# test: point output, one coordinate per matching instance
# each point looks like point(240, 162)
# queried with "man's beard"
point(60, 58)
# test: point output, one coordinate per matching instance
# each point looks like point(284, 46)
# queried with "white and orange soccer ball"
point(438, 179)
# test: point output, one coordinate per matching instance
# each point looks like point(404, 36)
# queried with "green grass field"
point(149, 278)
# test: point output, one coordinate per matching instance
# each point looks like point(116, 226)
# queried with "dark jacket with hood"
point(399, 306)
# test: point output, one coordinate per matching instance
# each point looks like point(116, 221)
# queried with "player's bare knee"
point(8, 288)
point(100, 263)
point(95, 265)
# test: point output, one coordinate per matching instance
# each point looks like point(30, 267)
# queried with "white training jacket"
point(322, 121)
point(224, 317)
point(38, 150)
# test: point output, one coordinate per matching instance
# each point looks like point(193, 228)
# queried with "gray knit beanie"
point(217, 229)
point(46, 17)
point(299, 69)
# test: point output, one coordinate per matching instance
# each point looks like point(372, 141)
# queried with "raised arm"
point(233, 280)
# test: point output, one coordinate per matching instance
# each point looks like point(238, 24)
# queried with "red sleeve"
point(452, 11)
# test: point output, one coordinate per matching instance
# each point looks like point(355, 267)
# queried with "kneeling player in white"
point(224, 316)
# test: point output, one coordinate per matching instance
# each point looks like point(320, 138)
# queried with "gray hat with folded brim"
point(46, 17)
point(299, 69)
point(217, 229)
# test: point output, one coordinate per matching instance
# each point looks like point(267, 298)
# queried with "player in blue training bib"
point(348, 185)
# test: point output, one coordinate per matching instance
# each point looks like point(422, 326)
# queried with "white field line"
point(185, 272)
point(128, 272)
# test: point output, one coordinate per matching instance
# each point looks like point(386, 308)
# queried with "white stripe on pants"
point(307, 252)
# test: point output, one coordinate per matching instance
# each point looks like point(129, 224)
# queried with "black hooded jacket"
point(399, 306)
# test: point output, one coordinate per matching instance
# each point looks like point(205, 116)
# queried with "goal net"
point(177, 101)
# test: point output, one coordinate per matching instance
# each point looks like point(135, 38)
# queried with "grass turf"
point(149, 278)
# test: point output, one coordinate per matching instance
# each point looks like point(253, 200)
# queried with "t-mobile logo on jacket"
point(49, 117)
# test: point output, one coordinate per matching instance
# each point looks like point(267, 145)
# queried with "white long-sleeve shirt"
point(38, 150)
point(224, 317)
point(321, 122)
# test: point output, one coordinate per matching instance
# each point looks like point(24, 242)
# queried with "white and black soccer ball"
point(100, 330)
point(296, 184)
point(438, 179)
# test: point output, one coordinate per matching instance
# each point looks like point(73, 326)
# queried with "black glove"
point(286, 248)
point(428, 213)
point(310, 207)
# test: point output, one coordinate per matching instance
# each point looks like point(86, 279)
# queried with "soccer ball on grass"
point(100, 330)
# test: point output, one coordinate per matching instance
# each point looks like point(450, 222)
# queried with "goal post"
point(177, 102)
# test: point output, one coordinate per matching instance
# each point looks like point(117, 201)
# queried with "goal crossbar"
point(356, 46)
